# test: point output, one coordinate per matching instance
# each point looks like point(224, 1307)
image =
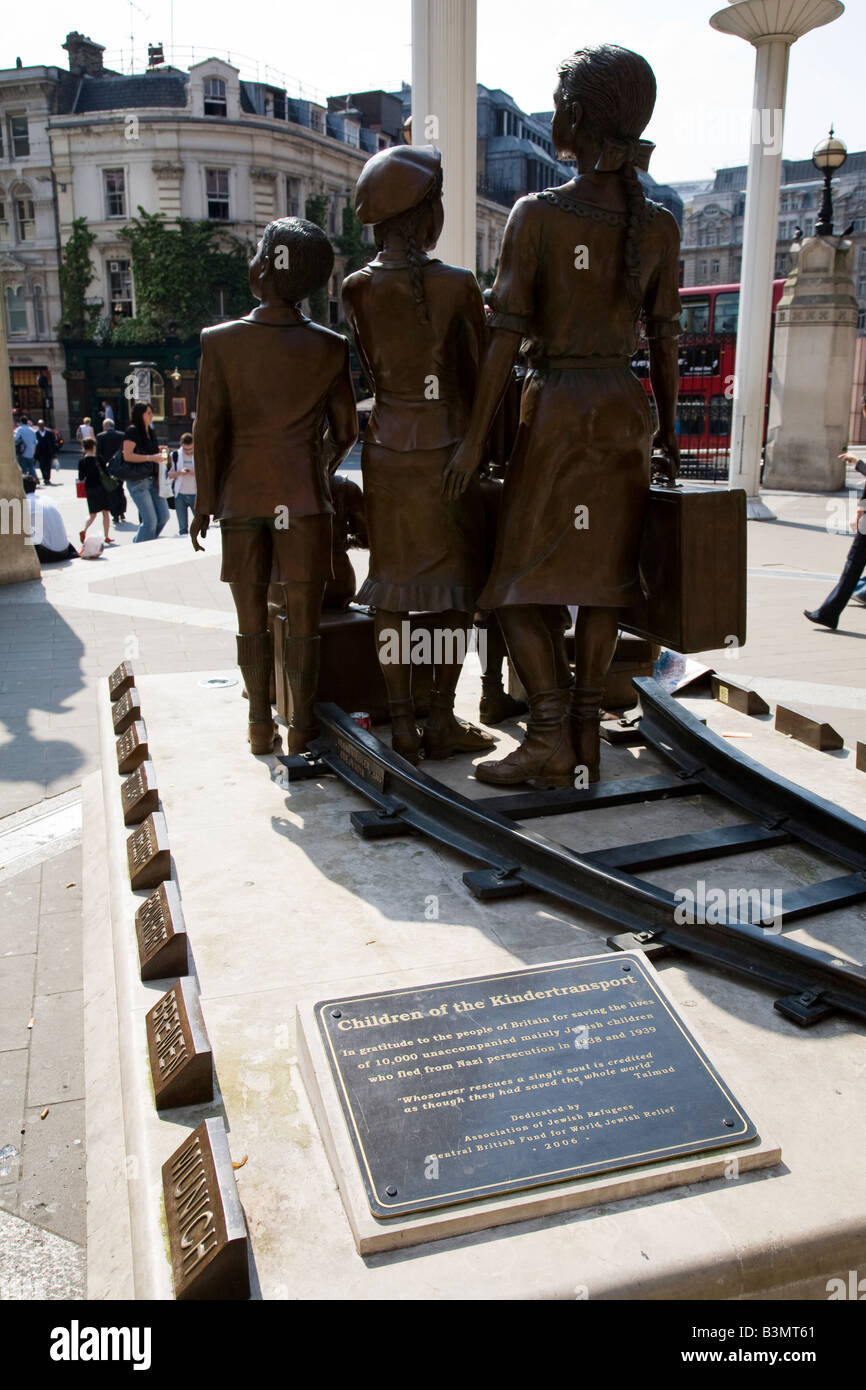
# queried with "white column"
point(444, 112)
point(752, 20)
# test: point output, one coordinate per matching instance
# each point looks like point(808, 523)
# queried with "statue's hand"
point(455, 478)
point(198, 529)
point(666, 456)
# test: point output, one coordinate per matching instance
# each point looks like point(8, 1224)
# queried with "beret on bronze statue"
point(395, 180)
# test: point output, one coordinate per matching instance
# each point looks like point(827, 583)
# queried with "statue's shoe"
point(262, 736)
point(454, 736)
point(498, 706)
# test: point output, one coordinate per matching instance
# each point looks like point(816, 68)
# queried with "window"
point(333, 214)
point(702, 272)
point(715, 268)
point(120, 288)
point(217, 194)
point(861, 287)
point(215, 103)
point(695, 317)
point(222, 302)
point(727, 312)
point(4, 221)
point(721, 410)
point(114, 184)
point(781, 266)
point(39, 311)
point(19, 137)
point(25, 221)
point(16, 312)
point(692, 415)
point(861, 262)
point(861, 320)
point(860, 224)
point(293, 197)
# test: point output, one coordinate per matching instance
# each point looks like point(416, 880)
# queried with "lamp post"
point(828, 156)
point(771, 29)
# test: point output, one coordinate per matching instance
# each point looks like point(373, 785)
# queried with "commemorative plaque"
point(181, 1061)
point(161, 933)
point(131, 748)
point(147, 853)
point(473, 1088)
point(120, 680)
point(139, 794)
point(738, 697)
point(206, 1230)
point(126, 710)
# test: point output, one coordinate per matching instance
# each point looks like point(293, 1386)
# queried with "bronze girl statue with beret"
point(419, 329)
point(579, 266)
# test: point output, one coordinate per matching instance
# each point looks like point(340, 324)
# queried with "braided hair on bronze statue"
point(412, 228)
point(616, 91)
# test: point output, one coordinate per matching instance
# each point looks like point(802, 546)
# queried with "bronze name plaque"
point(120, 680)
point(139, 794)
point(148, 854)
point(126, 710)
point(738, 697)
point(460, 1091)
point(812, 732)
point(206, 1230)
point(181, 1062)
point(131, 748)
point(366, 767)
point(161, 933)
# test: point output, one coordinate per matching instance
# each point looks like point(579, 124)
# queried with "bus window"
point(691, 415)
point(695, 317)
point(727, 312)
point(721, 409)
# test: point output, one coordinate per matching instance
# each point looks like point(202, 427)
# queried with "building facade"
point(712, 246)
point(29, 256)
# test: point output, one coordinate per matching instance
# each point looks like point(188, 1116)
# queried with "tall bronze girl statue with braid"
point(579, 266)
point(419, 329)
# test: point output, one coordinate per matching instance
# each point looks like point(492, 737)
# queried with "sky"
point(705, 79)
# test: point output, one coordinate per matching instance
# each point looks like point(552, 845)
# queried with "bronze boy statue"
point(579, 265)
point(276, 416)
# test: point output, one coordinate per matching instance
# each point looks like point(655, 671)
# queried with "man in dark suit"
point(108, 443)
point(45, 450)
point(275, 418)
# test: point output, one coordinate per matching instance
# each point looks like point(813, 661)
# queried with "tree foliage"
point(80, 316)
point(316, 210)
point(351, 244)
point(178, 272)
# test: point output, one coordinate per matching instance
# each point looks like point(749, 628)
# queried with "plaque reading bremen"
point(465, 1090)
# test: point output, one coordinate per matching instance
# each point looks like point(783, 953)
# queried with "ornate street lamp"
point(828, 156)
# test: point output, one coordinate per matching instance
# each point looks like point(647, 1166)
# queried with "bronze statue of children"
point(579, 266)
point(275, 418)
point(419, 329)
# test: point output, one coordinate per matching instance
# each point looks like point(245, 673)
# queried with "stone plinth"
point(813, 362)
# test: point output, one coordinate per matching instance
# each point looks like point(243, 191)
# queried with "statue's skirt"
point(575, 492)
point(426, 553)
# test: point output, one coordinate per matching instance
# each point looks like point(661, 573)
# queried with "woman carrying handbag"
point(141, 460)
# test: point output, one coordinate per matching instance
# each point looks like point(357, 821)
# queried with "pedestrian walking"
point(108, 444)
point(85, 430)
point(107, 415)
point(141, 456)
point(25, 447)
point(850, 583)
point(45, 451)
point(98, 498)
point(182, 475)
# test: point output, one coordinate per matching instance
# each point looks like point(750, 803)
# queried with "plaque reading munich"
point(464, 1090)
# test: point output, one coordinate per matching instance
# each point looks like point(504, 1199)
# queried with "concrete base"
point(283, 904)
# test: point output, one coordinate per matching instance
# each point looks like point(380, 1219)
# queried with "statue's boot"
point(301, 665)
point(256, 660)
point(585, 718)
point(405, 738)
point(445, 735)
point(545, 758)
point(496, 704)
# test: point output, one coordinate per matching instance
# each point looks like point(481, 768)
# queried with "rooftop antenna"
point(133, 6)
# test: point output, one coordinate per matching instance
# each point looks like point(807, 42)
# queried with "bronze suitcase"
point(693, 570)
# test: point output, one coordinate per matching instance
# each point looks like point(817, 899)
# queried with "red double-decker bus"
point(708, 352)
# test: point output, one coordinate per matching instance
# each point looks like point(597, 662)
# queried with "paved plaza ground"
point(164, 608)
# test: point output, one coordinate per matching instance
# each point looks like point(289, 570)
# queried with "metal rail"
point(516, 860)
